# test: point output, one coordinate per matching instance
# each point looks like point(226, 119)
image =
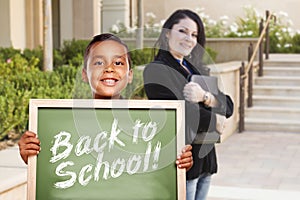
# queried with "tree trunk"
point(48, 40)
point(140, 30)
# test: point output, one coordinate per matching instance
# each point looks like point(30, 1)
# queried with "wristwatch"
point(206, 97)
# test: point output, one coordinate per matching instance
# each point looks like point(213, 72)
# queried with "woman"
point(180, 50)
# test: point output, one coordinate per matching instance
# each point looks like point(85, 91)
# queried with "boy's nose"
point(109, 68)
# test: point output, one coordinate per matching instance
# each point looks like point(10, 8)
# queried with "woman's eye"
point(195, 35)
point(181, 31)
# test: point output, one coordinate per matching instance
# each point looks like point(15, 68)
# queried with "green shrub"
point(23, 81)
point(37, 53)
point(296, 43)
point(15, 93)
point(77, 60)
point(73, 51)
point(141, 56)
point(58, 59)
point(135, 90)
point(8, 53)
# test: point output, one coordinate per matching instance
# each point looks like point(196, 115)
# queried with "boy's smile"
point(109, 81)
point(108, 71)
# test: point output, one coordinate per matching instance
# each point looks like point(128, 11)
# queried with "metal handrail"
point(247, 72)
point(262, 34)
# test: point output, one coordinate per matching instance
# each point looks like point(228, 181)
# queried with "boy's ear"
point(130, 76)
point(84, 75)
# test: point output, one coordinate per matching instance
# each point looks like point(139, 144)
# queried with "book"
point(208, 83)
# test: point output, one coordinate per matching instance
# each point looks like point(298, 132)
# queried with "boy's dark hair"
point(101, 38)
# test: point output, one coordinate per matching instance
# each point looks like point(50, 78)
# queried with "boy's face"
point(107, 70)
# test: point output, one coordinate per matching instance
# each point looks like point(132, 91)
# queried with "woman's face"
point(108, 71)
point(182, 38)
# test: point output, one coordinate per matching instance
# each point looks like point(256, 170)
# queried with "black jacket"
point(164, 79)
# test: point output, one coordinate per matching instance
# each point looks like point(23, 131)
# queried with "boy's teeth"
point(109, 80)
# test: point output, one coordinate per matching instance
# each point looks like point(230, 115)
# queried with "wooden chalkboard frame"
point(36, 104)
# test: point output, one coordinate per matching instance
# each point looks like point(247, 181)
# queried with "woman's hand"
point(193, 92)
point(29, 145)
point(185, 160)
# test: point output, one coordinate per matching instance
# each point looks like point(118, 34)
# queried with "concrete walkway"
point(257, 165)
point(13, 175)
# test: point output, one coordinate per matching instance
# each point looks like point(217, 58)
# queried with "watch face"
point(206, 97)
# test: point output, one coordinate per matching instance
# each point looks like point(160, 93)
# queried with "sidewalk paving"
point(13, 172)
point(258, 165)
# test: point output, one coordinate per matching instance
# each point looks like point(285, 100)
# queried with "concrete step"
point(276, 96)
point(276, 101)
point(273, 113)
point(262, 124)
point(278, 80)
point(282, 71)
point(275, 90)
point(274, 63)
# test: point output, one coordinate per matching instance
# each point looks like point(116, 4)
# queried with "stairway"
point(276, 96)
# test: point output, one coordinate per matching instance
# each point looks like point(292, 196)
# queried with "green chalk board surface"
point(106, 150)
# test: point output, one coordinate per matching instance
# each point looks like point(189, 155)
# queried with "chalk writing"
point(104, 143)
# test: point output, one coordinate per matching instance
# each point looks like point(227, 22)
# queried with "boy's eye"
point(98, 63)
point(118, 63)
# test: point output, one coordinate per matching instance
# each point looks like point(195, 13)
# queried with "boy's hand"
point(29, 145)
point(185, 160)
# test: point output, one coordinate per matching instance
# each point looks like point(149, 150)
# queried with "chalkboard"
point(106, 149)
